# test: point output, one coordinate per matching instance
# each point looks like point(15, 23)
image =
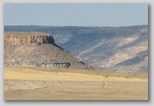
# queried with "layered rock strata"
point(19, 38)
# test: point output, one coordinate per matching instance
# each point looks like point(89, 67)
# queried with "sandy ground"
point(30, 83)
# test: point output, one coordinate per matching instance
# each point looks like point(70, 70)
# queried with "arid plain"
point(38, 83)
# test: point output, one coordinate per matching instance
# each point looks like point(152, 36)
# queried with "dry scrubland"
point(36, 83)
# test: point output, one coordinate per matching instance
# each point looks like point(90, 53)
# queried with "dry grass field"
point(36, 83)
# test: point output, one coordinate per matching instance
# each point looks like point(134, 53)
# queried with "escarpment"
point(36, 49)
point(18, 38)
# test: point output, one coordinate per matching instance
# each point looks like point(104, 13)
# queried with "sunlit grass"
point(56, 74)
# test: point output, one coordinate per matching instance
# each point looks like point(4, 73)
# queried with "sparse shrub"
point(39, 43)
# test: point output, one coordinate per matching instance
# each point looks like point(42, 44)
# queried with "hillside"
point(117, 49)
point(37, 49)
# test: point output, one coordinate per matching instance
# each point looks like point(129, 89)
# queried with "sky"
point(76, 14)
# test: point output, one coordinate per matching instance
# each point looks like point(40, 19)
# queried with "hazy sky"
point(76, 14)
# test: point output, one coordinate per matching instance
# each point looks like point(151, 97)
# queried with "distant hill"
point(37, 49)
point(117, 49)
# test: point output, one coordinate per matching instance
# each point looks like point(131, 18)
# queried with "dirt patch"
point(74, 90)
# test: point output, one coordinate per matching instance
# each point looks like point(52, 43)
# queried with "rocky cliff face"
point(37, 49)
point(18, 38)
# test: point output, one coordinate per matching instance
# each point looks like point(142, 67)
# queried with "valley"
point(114, 49)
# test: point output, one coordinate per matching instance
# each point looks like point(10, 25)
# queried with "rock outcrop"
point(37, 49)
point(19, 38)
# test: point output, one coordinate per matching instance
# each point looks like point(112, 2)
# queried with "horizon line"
point(77, 25)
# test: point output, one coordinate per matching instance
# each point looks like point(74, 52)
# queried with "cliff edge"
point(37, 49)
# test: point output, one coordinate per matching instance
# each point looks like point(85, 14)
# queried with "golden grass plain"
point(37, 83)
